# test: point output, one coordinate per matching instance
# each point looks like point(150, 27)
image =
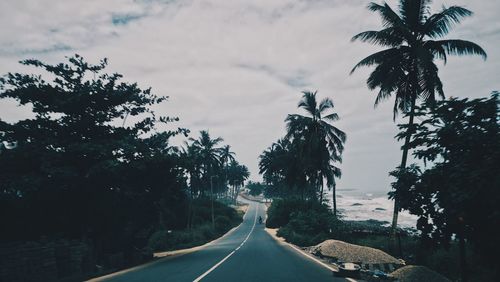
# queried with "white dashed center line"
point(231, 253)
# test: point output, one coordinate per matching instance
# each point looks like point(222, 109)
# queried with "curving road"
point(248, 253)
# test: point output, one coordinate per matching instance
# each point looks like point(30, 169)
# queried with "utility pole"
point(212, 199)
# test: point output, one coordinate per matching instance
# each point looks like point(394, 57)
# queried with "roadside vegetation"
point(201, 232)
point(452, 190)
point(91, 165)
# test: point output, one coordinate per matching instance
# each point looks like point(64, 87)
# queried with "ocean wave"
point(355, 205)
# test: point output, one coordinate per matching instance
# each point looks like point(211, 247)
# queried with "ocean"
point(363, 205)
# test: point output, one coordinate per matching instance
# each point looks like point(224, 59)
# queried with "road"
point(248, 253)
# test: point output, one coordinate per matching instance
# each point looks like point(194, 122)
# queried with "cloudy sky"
point(237, 67)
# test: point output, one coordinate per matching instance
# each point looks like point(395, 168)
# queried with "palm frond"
point(296, 124)
point(332, 117)
point(325, 104)
point(436, 50)
point(308, 102)
point(429, 81)
point(386, 37)
point(387, 74)
point(389, 17)
point(440, 24)
point(461, 47)
point(380, 57)
point(383, 95)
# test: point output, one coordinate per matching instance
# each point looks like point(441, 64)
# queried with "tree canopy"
point(456, 194)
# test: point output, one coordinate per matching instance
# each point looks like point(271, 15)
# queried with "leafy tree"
point(77, 170)
point(256, 188)
point(407, 68)
point(458, 195)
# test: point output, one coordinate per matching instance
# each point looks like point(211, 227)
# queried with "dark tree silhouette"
point(459, 139)
point(323, 143)
point(407, 67)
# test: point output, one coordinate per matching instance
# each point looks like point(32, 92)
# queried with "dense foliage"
point(201, 232)
point(256, 188)
point(305, 159)
point(304, 223)
point(456, 193)
point(407, 68)
point(90, 164)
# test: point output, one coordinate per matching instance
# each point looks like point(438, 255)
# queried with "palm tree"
point(323, 143)
point(237, 174)
point(226, 155)
point(407, 68)
point(281, 166)
point(273, 162)
point(208, 153)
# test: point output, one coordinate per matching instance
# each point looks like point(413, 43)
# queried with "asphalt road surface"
point(248, 253)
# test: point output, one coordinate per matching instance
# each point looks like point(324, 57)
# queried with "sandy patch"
point(415, 273)
point(346, 252)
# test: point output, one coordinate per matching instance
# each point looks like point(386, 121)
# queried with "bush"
point(304, 223)
point(201, 232)
point(311, 227)
point(279, 212)
point(158, 241)
point(222, 223)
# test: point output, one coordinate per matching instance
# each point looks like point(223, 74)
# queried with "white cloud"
point(237, 67)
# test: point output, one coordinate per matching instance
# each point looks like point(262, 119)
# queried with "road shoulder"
point(273, 233)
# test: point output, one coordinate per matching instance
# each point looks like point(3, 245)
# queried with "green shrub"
point(279, 212)
point(158, 241)
point(222, 223)
point(304, 223)
point(311, 227)
point(202, 230)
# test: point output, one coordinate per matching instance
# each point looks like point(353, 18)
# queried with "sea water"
point(357, 204)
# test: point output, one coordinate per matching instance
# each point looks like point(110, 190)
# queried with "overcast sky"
point(237, 67)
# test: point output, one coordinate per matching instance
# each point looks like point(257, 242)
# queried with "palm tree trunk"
point(334, 199)
point(404, 160)
point(321, 192)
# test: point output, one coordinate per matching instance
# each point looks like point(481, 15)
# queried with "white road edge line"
point(231, 253)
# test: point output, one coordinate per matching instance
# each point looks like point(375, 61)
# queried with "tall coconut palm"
point(237, 174)
point(323, 142)
point(208, 154)
point(407, 67)
point(281, 166)
point(226, 155)
point(273, 162)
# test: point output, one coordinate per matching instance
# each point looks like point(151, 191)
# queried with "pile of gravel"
point(415, 273)
point(345, 252)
